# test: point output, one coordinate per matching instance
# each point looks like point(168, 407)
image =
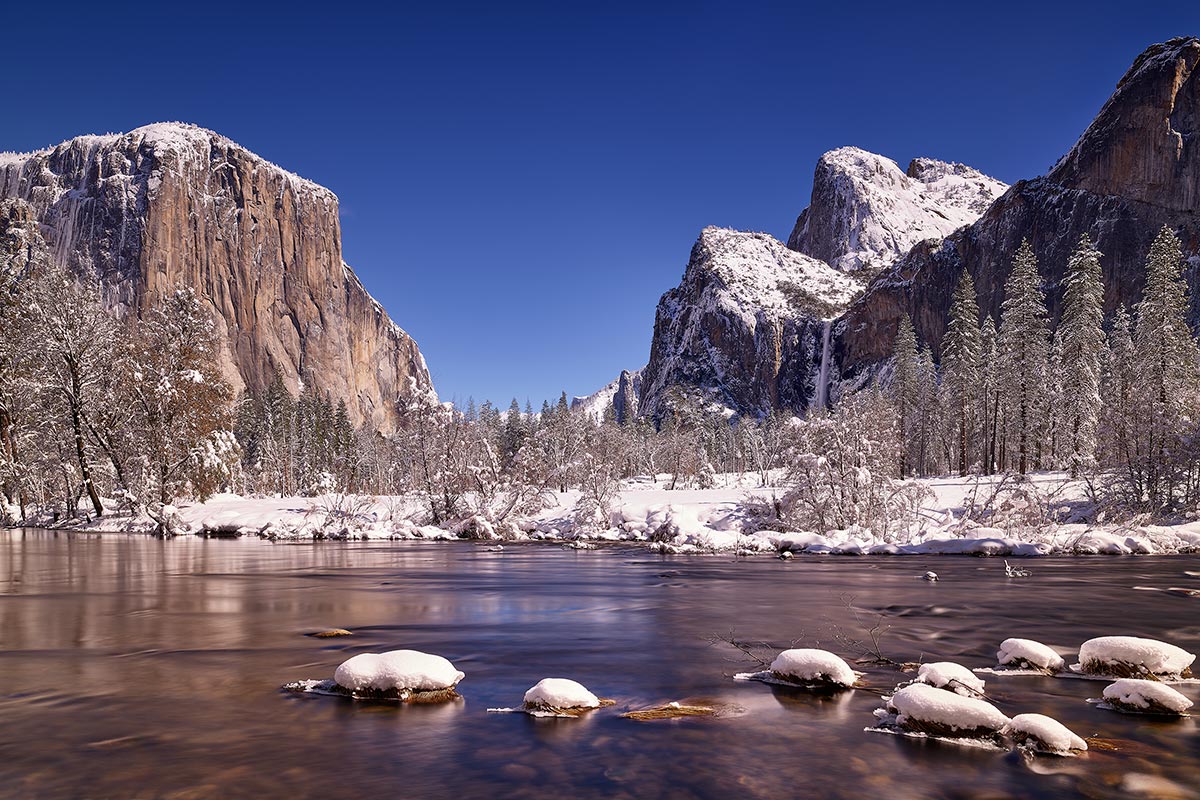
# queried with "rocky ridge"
point(865, 212)
point(1135, 169)
point(170, 204)
point(745, 327)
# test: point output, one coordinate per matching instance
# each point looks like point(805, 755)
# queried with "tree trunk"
point(84, 469)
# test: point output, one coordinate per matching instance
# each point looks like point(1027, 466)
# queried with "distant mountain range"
point(732, 338)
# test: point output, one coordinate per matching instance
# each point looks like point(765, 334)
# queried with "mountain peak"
point(866, 212)
point(1144, 143)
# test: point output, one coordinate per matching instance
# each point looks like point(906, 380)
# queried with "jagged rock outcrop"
point(625, 399)
point(172, 204)
point(1135, 169)
point(865, 212)
point(619, 397)
point(744, 329)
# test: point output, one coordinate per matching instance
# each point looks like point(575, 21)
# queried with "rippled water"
point(132, 667)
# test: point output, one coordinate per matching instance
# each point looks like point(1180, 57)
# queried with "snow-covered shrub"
point(845, 472)
point(1043, 734)
point(1028, 654)
point(1145, 697)
point(950, 676)
point(340, 516)
point(397, 674)
point(1133, 657)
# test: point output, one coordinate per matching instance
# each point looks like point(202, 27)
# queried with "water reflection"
point(153, 667)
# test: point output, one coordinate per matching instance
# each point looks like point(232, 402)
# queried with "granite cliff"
point(1135, 169)
point(172, 204)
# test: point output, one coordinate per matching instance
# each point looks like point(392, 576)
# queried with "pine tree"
point(927, 416)
point(1166, 364)
point(1024, 346)
point(1083, 345)
point(962, 349)
point(1118, 391)
point(990, 389)
point(905, 390)
point(1053, 441)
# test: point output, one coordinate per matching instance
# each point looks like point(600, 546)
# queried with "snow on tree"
point(184, 430)
point(990, 388)
point(962, 373)
point(76, 340)
point(845, 471)
point(905, 390)
point(1166, 372)
point(1024, 346)
point(1119, 381)
point(1083, 345)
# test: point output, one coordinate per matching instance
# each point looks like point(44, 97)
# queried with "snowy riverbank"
point(712, 520)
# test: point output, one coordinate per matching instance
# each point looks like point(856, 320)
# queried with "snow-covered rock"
point(812, 666)
point(1145, 697)
point(745, 330)
point(953, 677)
point(1130, 656)
point(866, 212)
point(560, 693)
point(400, 671)
point(1044, 734)
point(920, 708)
point(1028, 654)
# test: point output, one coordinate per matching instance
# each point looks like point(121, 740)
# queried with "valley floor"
point(1042, 520)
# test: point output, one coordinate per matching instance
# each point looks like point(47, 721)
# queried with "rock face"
point(172, 204)
point(625, 399)
point(744, 330)
point(865, 212)
point(1135, 169)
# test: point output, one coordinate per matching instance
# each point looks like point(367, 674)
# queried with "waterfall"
point(823, 373)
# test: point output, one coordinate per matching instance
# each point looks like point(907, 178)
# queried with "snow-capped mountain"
point(1135, 169)
point(171, 204)
point(744, 330)
point(865, 212)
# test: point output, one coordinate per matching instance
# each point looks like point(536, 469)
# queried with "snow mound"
point(401, 671)
point(807, 665)
point(1028, 654)
point(925, 709)
point(1129, 656)
point(560, 693)
point(1044, 734)
point(950, 676)
point(1145, 697)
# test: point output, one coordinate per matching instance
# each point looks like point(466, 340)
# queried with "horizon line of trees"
point(98, 414)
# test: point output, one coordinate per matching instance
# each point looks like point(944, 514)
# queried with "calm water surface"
point(132, 667)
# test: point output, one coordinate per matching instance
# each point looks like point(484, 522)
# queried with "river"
point(132, 667)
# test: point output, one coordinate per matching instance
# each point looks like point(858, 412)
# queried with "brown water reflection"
point(132, 667)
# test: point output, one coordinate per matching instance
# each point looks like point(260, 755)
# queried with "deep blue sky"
point(520, 182)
